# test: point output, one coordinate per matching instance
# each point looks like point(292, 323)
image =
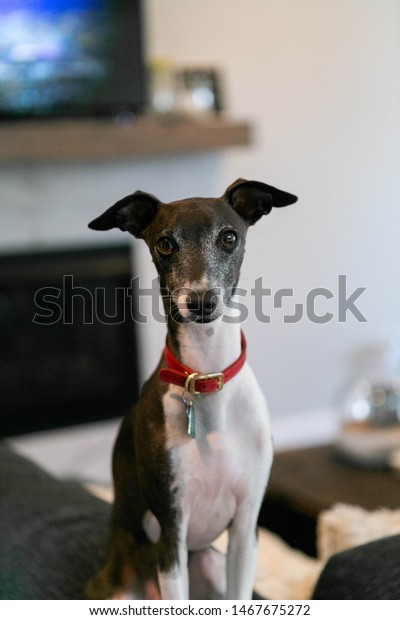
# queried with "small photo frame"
point(199, 91)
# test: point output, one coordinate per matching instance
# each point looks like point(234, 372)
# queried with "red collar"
point(196, 383)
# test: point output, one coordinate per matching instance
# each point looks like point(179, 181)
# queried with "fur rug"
point(345, 526)
point(288, 574)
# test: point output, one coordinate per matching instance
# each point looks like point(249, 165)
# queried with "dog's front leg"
point(174, 581)
point(241, 558)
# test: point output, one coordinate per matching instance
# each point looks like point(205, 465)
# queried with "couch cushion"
point(53, 533)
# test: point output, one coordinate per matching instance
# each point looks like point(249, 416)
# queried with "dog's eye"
point(228, 239)
point(165, 246)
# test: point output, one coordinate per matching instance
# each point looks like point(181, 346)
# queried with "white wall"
point(320, 82)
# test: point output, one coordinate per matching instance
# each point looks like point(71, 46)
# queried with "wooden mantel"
point(101, 140)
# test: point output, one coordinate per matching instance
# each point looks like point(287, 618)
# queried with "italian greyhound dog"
point(193, 457)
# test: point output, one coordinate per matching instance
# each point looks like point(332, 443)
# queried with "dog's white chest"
point(225, 465)
point(209, 488)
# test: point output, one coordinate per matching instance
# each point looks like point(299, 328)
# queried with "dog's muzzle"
point(199, 306)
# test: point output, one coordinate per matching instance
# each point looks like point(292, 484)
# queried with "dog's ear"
point(133, 213)
point(252, 199)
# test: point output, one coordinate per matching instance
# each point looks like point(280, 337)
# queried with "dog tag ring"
point(190, 417)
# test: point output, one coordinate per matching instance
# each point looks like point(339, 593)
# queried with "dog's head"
point(197, 244)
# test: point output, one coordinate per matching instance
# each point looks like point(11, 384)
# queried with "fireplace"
point(68, 341)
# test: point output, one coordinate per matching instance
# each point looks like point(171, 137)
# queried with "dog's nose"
point(203, 305)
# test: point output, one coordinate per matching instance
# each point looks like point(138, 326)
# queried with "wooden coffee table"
point(305, 482)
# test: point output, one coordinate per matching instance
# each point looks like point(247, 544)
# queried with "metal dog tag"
point(191, 417)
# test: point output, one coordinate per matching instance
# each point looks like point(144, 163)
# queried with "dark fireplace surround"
point(68, 341)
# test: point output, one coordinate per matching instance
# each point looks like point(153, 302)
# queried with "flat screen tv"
point(71, 58)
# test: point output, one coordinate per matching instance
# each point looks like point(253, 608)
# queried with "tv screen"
point(71, 58)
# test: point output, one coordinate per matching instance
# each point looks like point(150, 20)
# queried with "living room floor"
point(84, 452)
